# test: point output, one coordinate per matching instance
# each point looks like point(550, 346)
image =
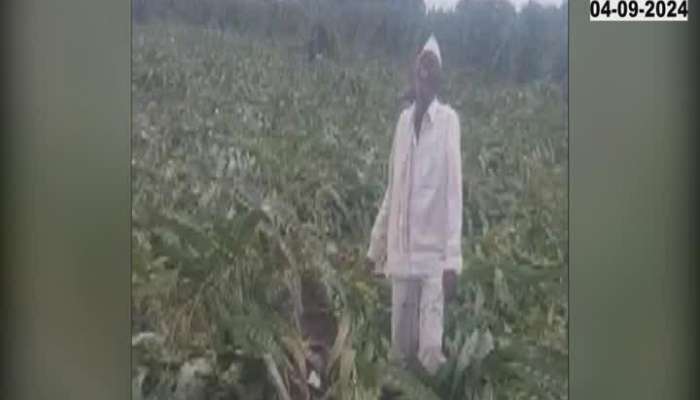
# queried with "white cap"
point(432, 46)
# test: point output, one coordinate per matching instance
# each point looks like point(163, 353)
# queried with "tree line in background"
point(488, 37)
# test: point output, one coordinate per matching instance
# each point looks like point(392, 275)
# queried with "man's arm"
point(378, 239)
point(453, 239)
point(377, 252)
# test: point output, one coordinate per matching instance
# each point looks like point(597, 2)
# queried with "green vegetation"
point(257, 175)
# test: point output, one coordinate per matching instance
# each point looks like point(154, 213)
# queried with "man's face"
point(426, 75)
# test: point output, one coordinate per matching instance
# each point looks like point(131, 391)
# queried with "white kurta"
point(418, 230)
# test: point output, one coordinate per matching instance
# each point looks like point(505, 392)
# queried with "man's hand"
point(370, 267)
point(449, 285)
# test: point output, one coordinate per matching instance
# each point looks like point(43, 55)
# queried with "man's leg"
point(432, 304)
point(405, 319)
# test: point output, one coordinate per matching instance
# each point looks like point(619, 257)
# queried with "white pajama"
point(417, 321)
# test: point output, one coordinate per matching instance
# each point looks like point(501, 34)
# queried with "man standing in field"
point(416, 238)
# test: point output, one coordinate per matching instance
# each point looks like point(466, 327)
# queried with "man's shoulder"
point(406, 111)
point(448, 111)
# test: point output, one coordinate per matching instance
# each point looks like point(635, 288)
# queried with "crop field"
point(256, 176)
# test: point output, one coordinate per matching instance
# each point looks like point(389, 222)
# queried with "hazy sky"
point(518, 3)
